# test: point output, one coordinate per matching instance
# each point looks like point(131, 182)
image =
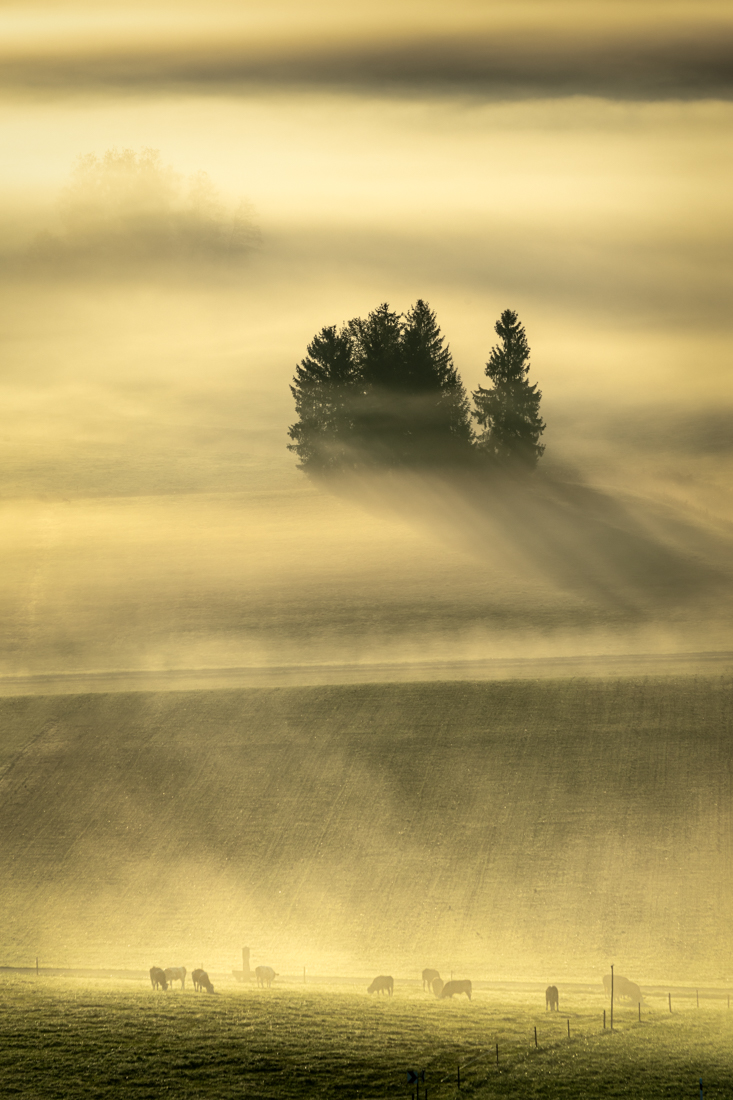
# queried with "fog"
point(189, 196)
point(168, 257)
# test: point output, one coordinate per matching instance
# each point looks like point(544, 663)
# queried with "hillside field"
point(70, 1038)
point(500, 830)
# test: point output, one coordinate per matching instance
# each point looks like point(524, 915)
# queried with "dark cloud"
point(694, 64)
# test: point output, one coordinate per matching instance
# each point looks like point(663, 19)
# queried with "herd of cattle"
point(161, 979)
point(384, 983)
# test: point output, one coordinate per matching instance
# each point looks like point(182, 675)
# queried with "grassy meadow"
point(72, 1038)
point(523, 830)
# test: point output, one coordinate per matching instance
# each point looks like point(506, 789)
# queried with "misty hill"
point(502, 829)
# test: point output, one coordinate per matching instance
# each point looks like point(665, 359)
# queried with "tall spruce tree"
point(509, 412)
point(382, 390)
point(326, 389)
point(378, 428)
point(437, 406)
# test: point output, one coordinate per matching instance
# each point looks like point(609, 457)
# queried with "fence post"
point(639, 1011)
point(568, 1028)
point(459, 1075)
point(604, 1019)
point(611, 996)
point(497, 1054)
point(535, 1037)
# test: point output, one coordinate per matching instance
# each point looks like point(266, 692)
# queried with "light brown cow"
point(450, 988)
point(384, 983)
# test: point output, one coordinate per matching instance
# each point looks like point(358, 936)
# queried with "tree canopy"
point(383, 391)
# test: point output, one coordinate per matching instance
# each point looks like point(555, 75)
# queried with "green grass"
point(65, 1038)
point(535, 830)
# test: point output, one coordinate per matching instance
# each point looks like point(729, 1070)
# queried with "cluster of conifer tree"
point(383, 391)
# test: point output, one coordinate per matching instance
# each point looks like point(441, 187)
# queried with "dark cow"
point(428, 977)
point(265, 975)
point(552, 999)
point(437, 986)
point(176, 974)
point(158, 978)
point(201, 982)
point(450, 988)
point(382, 984)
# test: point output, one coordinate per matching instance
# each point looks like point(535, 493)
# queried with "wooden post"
point(535, 1037)
point(639, 1011)
point(459, 1075)
point(670, 1001)
point(497, 1054)
point(604, 1019)
point(611, 996)
point(568, 1028)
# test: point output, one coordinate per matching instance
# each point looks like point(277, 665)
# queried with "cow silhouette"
point(451, 988)
point(158, 978)
point(428, 977)
point(630, 991)
point(623, 989)
point(382, 984)
point(176, 974)
point(201, 981)
point(265, 975)
point(552, 999)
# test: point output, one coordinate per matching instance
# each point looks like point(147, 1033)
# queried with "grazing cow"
point(201, 981)
point(176, 974)
point(456, 987)
point(622, 987)
point(437, 986)
point(382, 984)
point(428, 977)
point(265, 975)
point(157, 978)
point(552, 999)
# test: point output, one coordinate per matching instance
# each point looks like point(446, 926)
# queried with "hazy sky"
point(571, 161)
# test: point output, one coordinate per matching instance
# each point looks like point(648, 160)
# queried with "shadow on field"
point(619, 551)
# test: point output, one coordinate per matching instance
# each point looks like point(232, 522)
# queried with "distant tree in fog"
point(128, 209)
point(508, 413)
point(380, 391)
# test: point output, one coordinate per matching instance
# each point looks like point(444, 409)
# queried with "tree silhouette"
point(440, 416)
point(325, 389)
point(509, 412)
point(381, 391)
